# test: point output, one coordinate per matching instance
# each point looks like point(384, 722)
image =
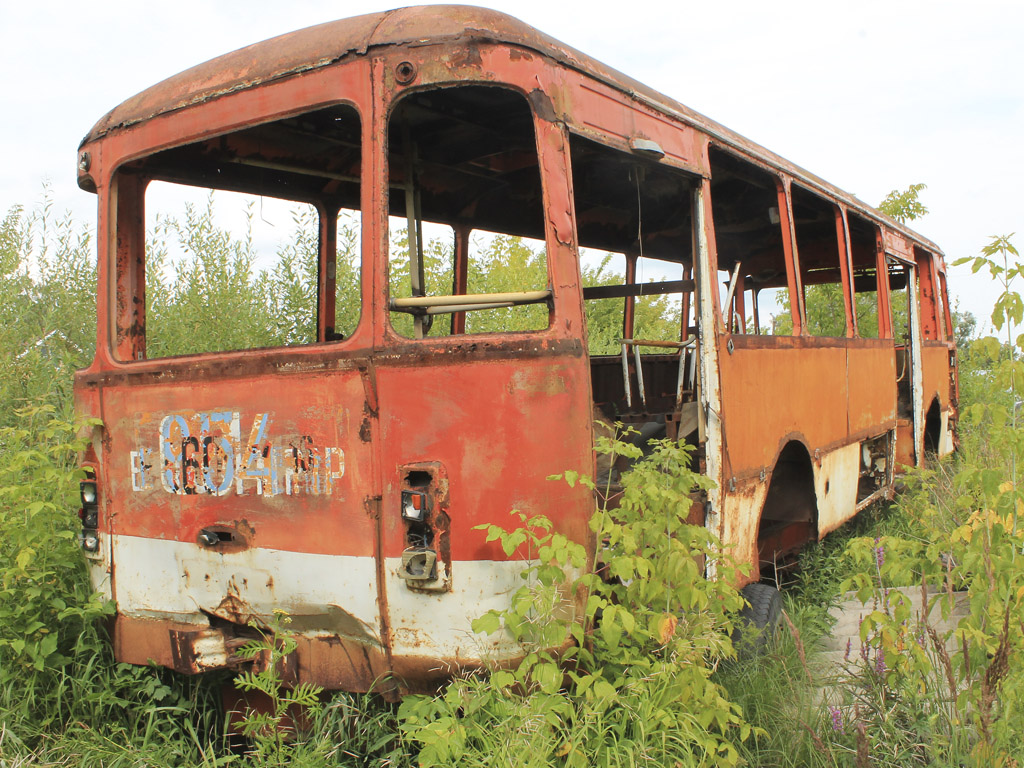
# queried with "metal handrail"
point(636, 344)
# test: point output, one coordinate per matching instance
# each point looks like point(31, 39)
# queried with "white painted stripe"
point(440, 624)
point(176, 581)
point(156, 578)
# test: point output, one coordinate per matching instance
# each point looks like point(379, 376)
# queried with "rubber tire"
point(758, 621)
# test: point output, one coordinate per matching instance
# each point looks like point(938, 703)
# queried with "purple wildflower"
point(879, 554)
point(880, 663)
point(849, 645)
point(864, 652)
point(837, 719)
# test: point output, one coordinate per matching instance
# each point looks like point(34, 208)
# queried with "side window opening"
point(819, 252)
point(899, 299)
point(748, 233)
point(634, 223)
point(241, 263)
point(465, 182)
point(348, 265)
point(658, 316)
point(900, 296)
point(864, 257)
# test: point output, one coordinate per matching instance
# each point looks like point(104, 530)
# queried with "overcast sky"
point(871, 96)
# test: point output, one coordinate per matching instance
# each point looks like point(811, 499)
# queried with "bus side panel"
point(823, 393)
point(872, 375)
point(492, 431)
point(771, 394)
point(231, 498)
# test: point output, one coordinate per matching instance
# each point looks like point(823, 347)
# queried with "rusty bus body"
point(234, 483)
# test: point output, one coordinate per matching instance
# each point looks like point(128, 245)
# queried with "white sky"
point(871, 96)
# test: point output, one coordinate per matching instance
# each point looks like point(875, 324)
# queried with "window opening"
point(657, 316)
point(864, 258)
point(465, 178)
point(237, 264)
point(899, 275)
point(819, 254)
point(748, 233)
point(634, 222)
point(899, 299)
point(605, 312)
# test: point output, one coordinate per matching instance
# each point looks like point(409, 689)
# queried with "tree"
point(906, 205)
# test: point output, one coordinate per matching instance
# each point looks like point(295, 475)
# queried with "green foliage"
point(216, 297)
point(999, 364)
point(56, 664)
point(636, 680)
point(634, 685)
point(47, 307)
point(923, 695)
point(271, 732)
point(44, 604)
point(504, 264)
point(906, 205)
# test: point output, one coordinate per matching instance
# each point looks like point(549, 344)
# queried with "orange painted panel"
point(599, 108)
point(935, 373)
point(872, 377)
point(772, 392)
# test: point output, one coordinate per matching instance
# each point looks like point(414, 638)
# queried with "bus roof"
point(326, 44)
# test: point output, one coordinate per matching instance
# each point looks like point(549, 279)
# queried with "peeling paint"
point(203, 453)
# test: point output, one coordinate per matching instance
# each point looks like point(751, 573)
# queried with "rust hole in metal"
point(231, 537)
point(405, 72)
point(418, 479)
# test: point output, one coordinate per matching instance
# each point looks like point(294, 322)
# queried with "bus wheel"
point(757, 622)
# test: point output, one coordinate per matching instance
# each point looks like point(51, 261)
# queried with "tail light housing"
point(89, 514)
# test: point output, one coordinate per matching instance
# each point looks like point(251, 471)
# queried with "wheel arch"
point(789, 515)
point(933, 426)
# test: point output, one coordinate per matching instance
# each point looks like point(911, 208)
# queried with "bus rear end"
point(329, 450)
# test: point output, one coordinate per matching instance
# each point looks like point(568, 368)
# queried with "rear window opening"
point(467, 252)
point(240, 262)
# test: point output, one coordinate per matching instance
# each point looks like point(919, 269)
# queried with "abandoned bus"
point(337, 472)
